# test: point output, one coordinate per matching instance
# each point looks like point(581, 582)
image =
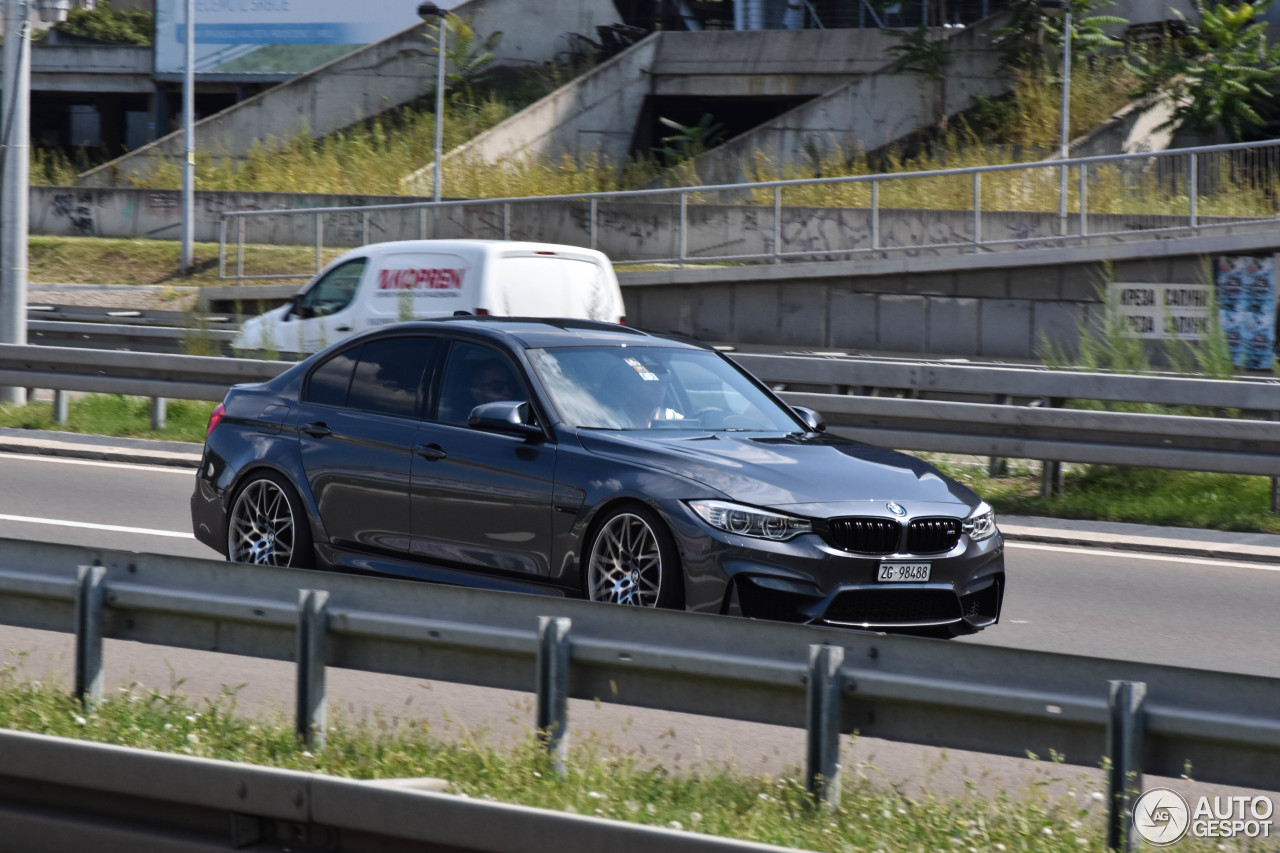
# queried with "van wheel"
point(632, 560)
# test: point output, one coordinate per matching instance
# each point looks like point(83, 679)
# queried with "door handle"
point(316, 430)
point(430, 451)
point(343, 329)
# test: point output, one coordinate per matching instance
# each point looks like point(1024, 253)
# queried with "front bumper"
point(807, 580)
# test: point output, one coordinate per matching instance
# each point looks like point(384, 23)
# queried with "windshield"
point(648, 388)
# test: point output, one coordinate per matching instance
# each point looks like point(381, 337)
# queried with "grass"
point(107, 260)
point(114, 415)
point(1234, 502)
point(603, 779)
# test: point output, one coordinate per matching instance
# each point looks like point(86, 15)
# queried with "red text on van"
point(433, 279)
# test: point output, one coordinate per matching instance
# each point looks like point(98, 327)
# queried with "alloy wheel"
point(626, 563)
point(262, 526)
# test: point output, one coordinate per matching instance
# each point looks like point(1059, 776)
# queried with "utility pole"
point(15, 130)
point(15, 175)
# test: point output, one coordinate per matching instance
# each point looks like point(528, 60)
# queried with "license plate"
point(903, 572)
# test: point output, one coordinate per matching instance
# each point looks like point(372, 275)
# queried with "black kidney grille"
point(864, 535)
point(932, 535)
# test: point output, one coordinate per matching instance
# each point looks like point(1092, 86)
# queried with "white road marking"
point(71, 460)
point(1144, 555)
point(112, 528)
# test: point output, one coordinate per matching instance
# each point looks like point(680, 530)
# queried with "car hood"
point(819, 475)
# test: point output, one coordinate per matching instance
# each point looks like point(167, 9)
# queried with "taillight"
point(215, 418)
point(482, 312)
point(622, 321)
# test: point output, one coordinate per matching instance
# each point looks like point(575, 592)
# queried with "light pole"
point(188, 137)
point(1053, 9)
point(15, 174)
point(431, 12)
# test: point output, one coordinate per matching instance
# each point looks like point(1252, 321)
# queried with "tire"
point(632, 560)
point(267, 526)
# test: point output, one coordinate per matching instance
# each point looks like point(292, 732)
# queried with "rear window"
point(383, 376)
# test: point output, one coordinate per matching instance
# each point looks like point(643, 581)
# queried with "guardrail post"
point(90, 594)
point(1051, 482)
point(159, 412)
point(822, 722)
point(1124, 746)
point(60, 408)
point(312, 621)
point(553, 688)
point(998, 466)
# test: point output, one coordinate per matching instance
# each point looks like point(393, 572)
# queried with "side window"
point(476, 374)
point(329, 382)
point(334, 292)
point(388, 379)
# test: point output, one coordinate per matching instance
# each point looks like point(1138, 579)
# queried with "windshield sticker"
point(645, 373)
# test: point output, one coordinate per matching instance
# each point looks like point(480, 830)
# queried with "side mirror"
point(811, 419)
point(292, 310)
point(507, 416)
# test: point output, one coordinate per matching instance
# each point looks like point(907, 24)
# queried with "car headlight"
point(749, 521)
point(982, 524)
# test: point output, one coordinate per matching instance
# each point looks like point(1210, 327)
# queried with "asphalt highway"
point(1160, 608)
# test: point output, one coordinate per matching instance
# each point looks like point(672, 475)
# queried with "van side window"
point(333, 292)
point(388, 379)
point(473, 375)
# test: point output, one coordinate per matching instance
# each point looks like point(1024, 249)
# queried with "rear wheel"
point(267, 526)
point(632, 560)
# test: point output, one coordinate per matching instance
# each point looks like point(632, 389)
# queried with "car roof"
point(539, 332)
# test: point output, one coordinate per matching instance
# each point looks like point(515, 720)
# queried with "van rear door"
point(552, 285)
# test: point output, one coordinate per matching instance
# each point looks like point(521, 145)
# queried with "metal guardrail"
point(1001, 207)
point(122, 336)
point(1218, 444)
point(58, 795)
point(1143, 717)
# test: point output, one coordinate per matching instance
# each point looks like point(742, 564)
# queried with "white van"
point(418, 279)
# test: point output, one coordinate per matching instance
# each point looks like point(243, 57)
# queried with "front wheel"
point(267, 526)
point(632, 560)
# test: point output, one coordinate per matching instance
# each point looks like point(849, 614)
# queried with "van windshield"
point(649, 388)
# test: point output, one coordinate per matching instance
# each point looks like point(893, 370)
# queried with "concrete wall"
point(624, 231)
point(1133, 129)
point(868, 114)
point(98, 68)
point(766, 62)
point(594, 114)
point(597, 113)
point(366, 82)
point(974, 306)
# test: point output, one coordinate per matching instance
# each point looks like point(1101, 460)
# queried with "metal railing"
point(848, 393)
point(985, 208)
point(1144, 718)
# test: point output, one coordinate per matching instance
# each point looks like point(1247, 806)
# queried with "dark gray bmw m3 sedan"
point(590, 460)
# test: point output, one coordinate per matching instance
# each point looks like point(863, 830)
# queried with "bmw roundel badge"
point(896, 508)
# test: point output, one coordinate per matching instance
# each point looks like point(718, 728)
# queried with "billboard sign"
point(1246, 287)
point(1163, 311)
point(272, 37)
